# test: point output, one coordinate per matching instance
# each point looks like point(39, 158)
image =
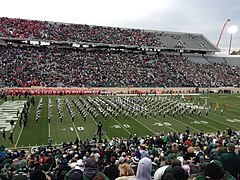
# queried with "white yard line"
point(142, 124)
point(227, 125)
point(19, 135)
point(49, 130)
point(76, 130)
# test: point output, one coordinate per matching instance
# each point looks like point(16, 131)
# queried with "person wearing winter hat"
point(178, 173)
point(75, 174)
point(214, 170)
point(91, 170)
point(37, 174)
point(63, 169)
point(143, 170)
point(80, 165)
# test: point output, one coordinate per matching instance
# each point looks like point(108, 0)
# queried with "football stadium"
point(70, 92)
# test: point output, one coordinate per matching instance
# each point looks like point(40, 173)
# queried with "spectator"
point(230, 161)
point(75, 174)
point(125, 172)
point(91, 170)
point(111, 171)
point(37, 174)
point(143, 170)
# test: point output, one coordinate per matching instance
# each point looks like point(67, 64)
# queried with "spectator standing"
point(231, 161)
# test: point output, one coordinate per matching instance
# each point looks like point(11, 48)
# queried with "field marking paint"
point(162, 124)
point(49, 132)
point(183, 123)
point(19, 135)
point(142, 124)
point(75, 130)
point(80, 128)
point(223, 97)
point(119, 123)
point(204, 123)
point(227, 125)
point(230, 120)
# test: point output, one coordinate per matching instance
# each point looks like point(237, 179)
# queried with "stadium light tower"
point(231, 30)
point(220, 36)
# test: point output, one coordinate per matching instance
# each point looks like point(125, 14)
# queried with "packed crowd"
point(161, 156)
point(52, 66)
point(39, 30)
point(204, 75)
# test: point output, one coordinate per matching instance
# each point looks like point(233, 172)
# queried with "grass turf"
point(121, 126)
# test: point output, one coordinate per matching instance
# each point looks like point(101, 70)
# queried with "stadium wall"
point(113, 91)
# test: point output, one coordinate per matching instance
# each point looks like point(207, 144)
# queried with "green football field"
point(122, 116)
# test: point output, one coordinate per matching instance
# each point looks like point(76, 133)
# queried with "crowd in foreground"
point(25, 66)
point(161, 156)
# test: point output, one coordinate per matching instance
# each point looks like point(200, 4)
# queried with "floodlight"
point(232, 29)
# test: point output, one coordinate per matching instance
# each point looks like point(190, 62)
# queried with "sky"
point(206, 17)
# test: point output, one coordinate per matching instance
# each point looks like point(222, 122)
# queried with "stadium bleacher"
point(233, 61)
point(25, 66)
point(104, 58)
point(197, 59)
point(112, 57)
point(52, 31)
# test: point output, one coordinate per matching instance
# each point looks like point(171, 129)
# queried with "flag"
point(217, 105)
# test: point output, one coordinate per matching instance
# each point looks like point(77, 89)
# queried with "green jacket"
point(231, 163)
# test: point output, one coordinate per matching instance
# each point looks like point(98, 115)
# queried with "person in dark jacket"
point(91, 170)
point(231, 161)
point(111, 171)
